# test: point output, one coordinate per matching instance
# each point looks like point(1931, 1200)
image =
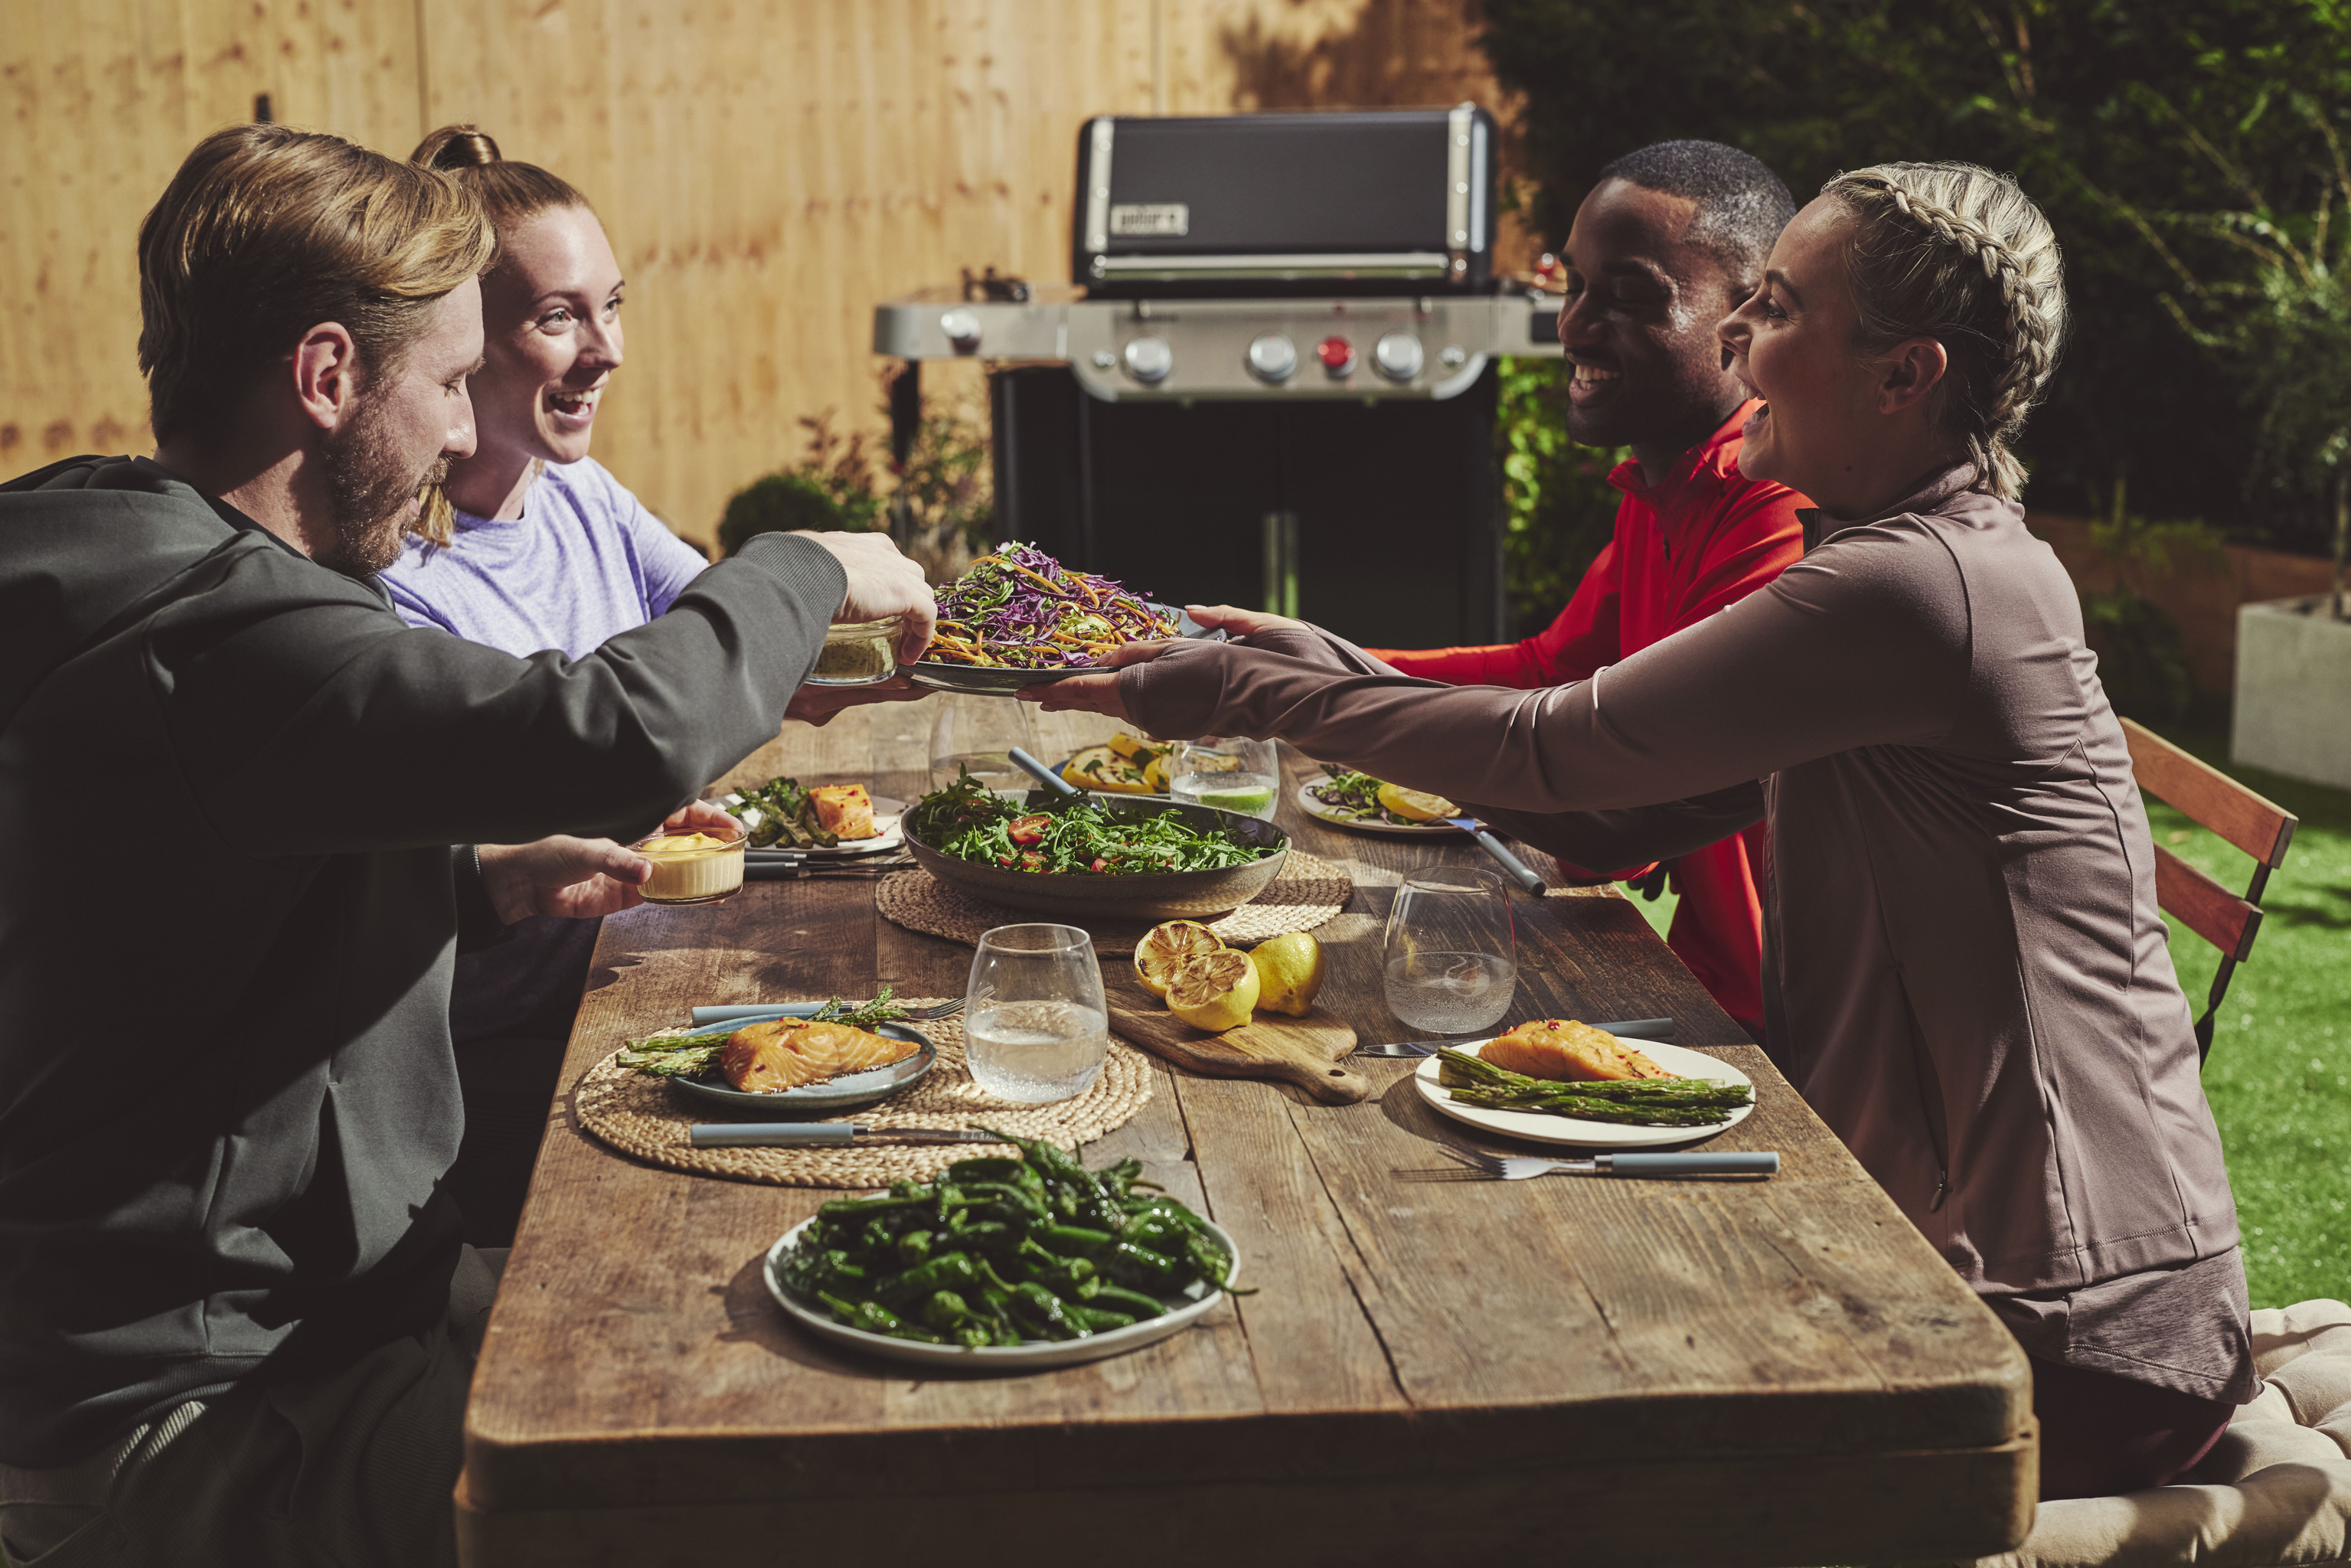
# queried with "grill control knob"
point(1398, 356)
point(1337, 354)
point(962, 329)
point(1148, 359)
point(1273, 358)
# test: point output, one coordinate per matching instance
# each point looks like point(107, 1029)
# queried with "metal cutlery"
point(1493, 846)
point(758, 867)
point(1639, 1029)
point(814, 1135)
point(774, 1009)
point(1519, 1168)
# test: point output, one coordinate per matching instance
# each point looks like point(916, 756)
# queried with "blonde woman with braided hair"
point(1964, 971)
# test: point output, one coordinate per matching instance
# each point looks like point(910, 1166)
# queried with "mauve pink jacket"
point(1965, 974)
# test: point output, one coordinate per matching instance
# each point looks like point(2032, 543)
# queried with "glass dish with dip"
point(693, 865)
point(859, 654)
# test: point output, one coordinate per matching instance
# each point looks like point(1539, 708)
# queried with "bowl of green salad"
point(1121, 856)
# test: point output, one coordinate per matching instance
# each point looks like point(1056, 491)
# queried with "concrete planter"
point(2294, 690)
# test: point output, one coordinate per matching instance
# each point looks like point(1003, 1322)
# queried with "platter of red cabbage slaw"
point(1017, 617)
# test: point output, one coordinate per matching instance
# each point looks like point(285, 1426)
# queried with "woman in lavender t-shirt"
point(538, 549)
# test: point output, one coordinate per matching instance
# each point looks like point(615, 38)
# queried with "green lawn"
point(2280, 1074)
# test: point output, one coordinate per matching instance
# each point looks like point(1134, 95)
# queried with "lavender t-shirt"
point(584, 562)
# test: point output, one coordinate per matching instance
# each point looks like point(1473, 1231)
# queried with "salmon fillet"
point(845, 810)
point(1565, 1051)
point(792, 1053)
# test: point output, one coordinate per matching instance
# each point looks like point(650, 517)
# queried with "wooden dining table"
point(1435, 1367)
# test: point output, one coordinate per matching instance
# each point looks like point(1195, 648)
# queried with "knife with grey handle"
point(1519, 869)
point(816, 1134)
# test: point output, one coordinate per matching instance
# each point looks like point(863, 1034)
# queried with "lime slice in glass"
point(1248, 801)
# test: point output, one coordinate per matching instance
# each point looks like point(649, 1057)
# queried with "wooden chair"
point(2212, 800)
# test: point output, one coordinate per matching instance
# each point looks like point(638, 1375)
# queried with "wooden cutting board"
point(1304, 1051)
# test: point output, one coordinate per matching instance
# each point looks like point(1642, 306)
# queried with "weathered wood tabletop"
point(1436, 1369)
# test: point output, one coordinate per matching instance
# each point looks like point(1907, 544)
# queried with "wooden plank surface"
point(1423, 1344)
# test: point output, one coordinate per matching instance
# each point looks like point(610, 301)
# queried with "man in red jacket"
point(1671, 239)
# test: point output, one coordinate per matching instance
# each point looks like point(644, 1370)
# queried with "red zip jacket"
point(1703, 538)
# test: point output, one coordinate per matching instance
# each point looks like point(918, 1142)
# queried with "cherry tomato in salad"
point(1029, 830)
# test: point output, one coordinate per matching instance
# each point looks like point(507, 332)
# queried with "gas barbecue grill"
point(1274, 382)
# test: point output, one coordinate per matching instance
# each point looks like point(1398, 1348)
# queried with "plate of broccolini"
point(1011, 1264)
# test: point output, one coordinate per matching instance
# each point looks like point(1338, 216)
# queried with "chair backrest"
point(2212, 800)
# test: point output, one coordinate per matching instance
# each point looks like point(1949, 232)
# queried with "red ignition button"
point(1337, 354)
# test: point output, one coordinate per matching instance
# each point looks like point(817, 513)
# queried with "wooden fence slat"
point(768, 170)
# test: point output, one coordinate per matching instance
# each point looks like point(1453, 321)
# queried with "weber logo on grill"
point(1161, 219)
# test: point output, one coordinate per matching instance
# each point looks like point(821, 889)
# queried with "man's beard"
point(369, 487)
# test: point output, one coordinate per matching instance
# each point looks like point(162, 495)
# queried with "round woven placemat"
point(645, 1117)
point(1309, 892)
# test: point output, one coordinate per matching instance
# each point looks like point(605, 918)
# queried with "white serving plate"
point(1324, 815)
point(889, 830)
point(1537, 1127)
point(1038, 1355)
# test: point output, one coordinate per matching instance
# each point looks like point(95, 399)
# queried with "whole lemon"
point(1214, 991)
point(1289, 973)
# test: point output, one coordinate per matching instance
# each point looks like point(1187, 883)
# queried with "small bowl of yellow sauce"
point(859, 654)
point(693, 865)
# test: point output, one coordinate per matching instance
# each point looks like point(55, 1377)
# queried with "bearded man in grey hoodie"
point(247, 819)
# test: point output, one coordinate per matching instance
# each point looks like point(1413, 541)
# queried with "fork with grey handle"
point(1689, 1161)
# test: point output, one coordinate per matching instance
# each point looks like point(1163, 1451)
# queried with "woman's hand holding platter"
point(1099, 694)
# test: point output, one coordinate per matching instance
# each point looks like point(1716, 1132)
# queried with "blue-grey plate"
point(986, 681)
point(853, 1092)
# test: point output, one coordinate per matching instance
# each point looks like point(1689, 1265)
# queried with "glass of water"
point(979, 733)
point(1452, 953)
point(1235, 774)
point(1034, 1024)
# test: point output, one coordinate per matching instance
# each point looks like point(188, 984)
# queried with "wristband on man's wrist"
point(479, 921)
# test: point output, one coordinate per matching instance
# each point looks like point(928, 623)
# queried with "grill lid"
point(1311, 203)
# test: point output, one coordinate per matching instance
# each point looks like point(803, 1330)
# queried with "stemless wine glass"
point(1452, 951)
point(1235, 774)
point(979, 733)
point(1035, 1027)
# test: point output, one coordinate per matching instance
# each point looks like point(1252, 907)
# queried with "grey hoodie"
point(229, 782)
point(1965, 972)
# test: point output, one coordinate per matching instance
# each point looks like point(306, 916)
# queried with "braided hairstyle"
point(1959, 253)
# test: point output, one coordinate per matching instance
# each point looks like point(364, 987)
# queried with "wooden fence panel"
point(105, 98)
point(768, 170)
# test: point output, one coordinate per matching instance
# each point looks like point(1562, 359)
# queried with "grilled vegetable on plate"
point(1607, 1096)
point(824, 820)
point(1349, 800)
point(817, 1058)
point(1032, 1262)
